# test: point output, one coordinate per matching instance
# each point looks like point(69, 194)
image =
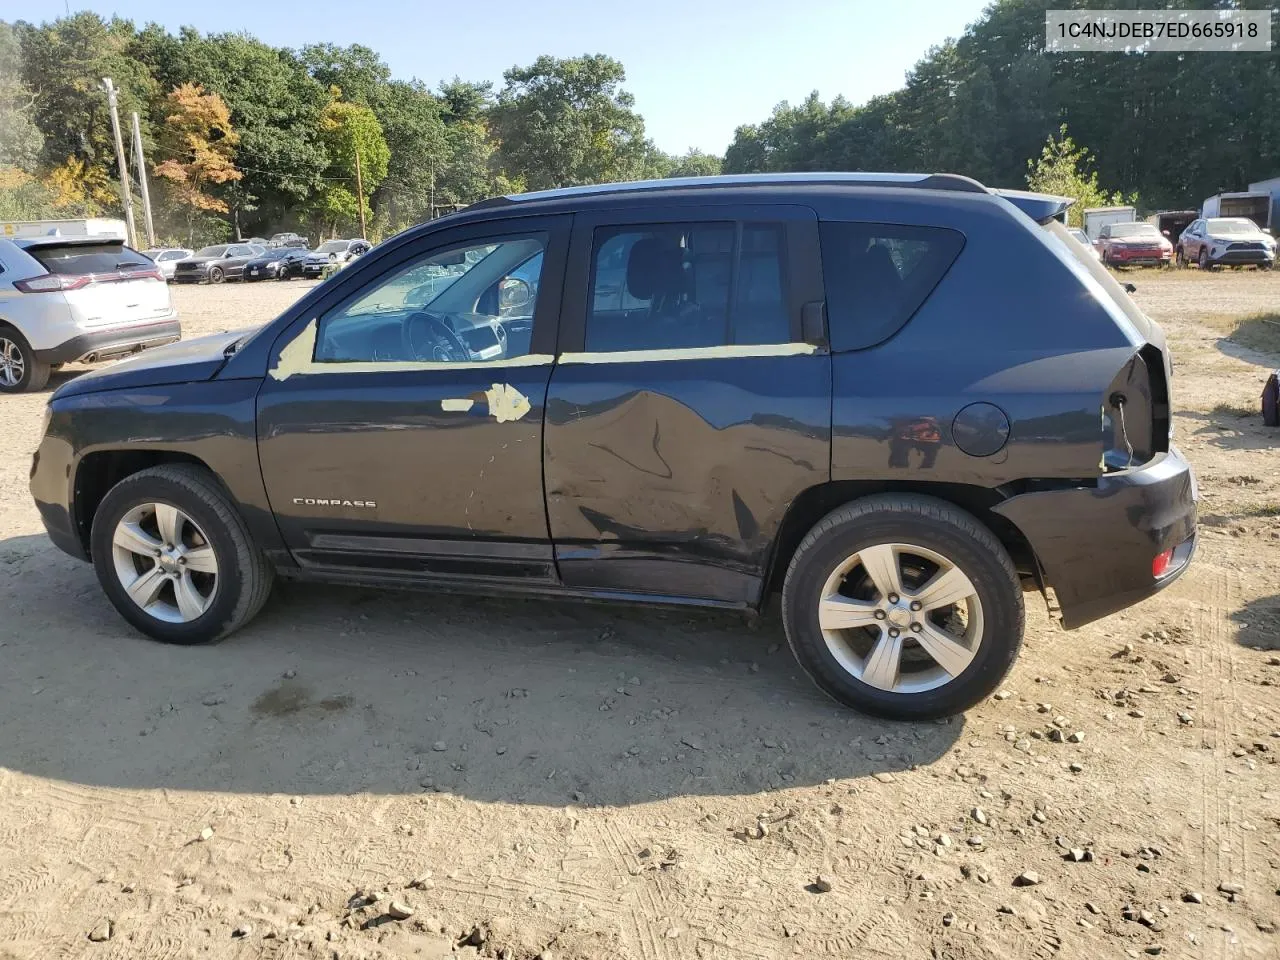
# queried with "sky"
point(697, 68)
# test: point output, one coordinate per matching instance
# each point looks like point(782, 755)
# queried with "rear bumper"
point(1096, 544)
point(113, 343)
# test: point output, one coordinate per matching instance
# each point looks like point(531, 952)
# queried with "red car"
point(1133, 245)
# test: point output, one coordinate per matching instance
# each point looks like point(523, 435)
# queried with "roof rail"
point(926, 181)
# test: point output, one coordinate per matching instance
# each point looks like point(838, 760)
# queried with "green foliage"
point(1065, 170)
point(563, 122)
point(351, 135)
point(20, 138)
point(63, 65)
point(1173, 129)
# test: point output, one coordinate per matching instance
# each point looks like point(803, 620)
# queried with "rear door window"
point(877, 275)
point(83, 258)
point(688, 285)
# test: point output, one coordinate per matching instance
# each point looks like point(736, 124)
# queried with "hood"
point(182, 362)
point(1255, 236)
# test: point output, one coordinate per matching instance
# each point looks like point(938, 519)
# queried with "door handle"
point(813, 323)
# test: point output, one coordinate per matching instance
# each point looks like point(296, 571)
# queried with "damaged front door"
point(400, 428)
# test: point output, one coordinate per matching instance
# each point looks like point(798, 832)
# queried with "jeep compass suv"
point(898, 400)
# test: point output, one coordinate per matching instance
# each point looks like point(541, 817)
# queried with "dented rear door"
point(688, 408)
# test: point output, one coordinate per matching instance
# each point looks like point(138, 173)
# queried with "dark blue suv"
point(897, 400)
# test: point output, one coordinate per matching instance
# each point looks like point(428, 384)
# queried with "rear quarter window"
point(79, 259)
point(878, 274)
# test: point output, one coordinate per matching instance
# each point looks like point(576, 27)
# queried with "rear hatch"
point(106, 283)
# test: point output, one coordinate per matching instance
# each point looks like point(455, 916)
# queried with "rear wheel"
point(175, 558)
point(903, 606)
point(216, 275)
point(20, 371)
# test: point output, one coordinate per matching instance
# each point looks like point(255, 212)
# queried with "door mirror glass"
point(514, 293)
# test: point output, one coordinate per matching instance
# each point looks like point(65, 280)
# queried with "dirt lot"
point(592, 782)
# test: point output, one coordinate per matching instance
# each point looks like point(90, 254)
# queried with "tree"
point(695, 163)
point(351, 134)
point(200, 145)
point(1065, 170)
point(63, 64)
point(20, 138)
point(562, 122)
point(358, 71)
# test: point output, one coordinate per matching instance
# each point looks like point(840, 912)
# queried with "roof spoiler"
point(1040, 207)
point(27, 243)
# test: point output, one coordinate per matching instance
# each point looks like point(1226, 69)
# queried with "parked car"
point(333, 251)
point(166, 258)
point(1230, 241)
point(222, 261)
point(819, 384)
point(282, 263)
point(287, 239)
point(1133, 245)
point(257, 241)
point(76, 299)
point(1083, 239)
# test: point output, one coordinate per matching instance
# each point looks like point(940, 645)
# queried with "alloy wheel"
point(901, 618)
point(12, 363)
point(165, 562)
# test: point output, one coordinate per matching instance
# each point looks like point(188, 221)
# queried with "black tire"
point(216, 275)
point(245, 575)
point(1202, 260)
point(1179, 257)
point(35, 373)
point(924, 522)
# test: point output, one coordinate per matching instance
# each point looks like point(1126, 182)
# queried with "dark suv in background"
point(898, 400)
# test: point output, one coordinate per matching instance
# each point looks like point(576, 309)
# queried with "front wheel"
point(216, 275)
point(1203, 259)
point(175, 558)
point(903, 606)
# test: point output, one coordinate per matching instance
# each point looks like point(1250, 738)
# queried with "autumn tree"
point(200, 144)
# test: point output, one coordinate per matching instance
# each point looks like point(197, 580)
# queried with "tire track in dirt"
point(1224, 854)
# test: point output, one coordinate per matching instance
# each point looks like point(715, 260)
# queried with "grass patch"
point(1259, 332)
point(1234, 410)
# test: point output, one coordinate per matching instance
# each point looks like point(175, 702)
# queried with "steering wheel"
point(427, 337)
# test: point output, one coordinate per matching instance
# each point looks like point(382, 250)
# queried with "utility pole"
point(360, 195)
point(141, 162)
point(126, 198)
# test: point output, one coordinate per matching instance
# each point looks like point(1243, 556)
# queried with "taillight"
point(53, 282)
point(1160, 565)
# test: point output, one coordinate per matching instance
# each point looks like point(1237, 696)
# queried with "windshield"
point(212, 251)
point(1128, 230)
point(332, 246)
point(1231, 227)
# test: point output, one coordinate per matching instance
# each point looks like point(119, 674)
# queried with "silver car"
point(69, 299)
point(166, 258)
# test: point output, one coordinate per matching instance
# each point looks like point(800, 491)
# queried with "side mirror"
point(514, 293)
